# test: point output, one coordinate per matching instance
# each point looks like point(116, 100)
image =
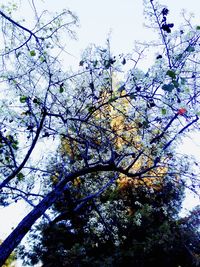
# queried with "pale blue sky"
point(123, 18)
point(97, 18)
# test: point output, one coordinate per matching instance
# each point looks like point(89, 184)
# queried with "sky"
point(123, 21)
point(123, 18)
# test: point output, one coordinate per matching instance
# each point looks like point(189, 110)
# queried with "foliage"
point(114, 172)
point(121, 227)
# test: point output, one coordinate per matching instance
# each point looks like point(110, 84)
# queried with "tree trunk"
point(13, 240)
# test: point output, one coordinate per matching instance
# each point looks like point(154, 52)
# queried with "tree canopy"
point(107, 136)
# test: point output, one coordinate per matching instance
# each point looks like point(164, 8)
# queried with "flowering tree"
point(104, 121)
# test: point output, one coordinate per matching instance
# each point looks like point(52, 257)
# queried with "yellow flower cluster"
point(77, 182)
point(153, 180)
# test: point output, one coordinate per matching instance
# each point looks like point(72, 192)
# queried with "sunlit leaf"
point(163, 111)
point(32, 53)
point(42, 59)
point(23, 99)
point(15, 145)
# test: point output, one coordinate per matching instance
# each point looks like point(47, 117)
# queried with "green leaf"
point(81, 63)
point(183, 81)
point(42, 59)
point(179, 56)
point(175, 83)
point(163, 111)
point(20, 176)
point(61, 90)
point(107, 64)
point(198, 28)
point(145, 124)
point(171, 74)
point(32, 53)
point(95, 62)
point(132, 96)
point(124, 61)
point(23, 99)
point(168, 87)
point(91, 109)
point(36, 101)
point(111, 100)
point(73, 129)
point(18, 54)
point(190, 48)
point(7, 158)
point(15, 145)
point(187, 90)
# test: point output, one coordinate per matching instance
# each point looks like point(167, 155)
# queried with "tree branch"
point(17, 170)
point(19, 25)
point(13, 240)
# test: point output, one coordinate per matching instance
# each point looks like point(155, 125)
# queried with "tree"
point(112, 231)
point(111, 221)
point(10, 262)
point(84, 111)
